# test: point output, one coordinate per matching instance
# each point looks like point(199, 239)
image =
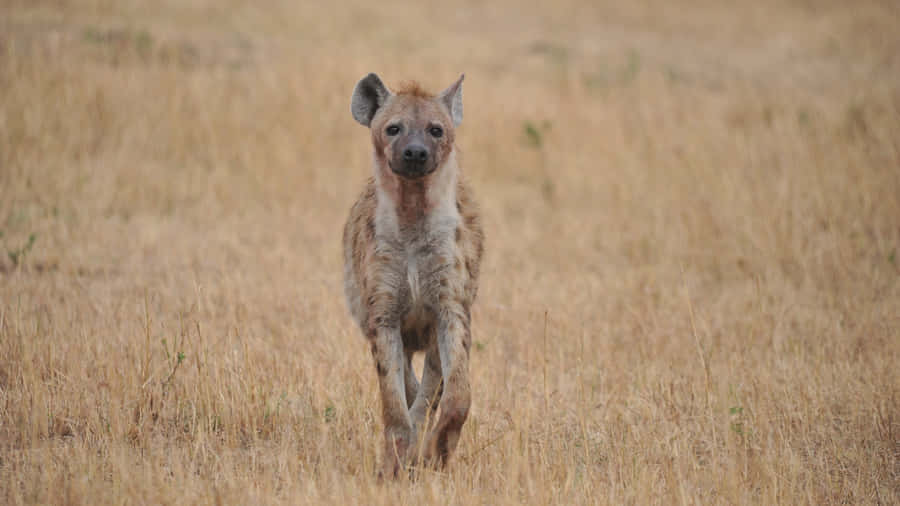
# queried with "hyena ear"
point(369, 94)
point(452, 98)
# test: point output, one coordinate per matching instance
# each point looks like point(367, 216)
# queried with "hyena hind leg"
point(411, 383)
point(429, 395)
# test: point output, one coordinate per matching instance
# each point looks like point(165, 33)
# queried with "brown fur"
point(412, 252)
point(413, 89)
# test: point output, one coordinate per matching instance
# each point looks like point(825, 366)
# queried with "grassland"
point(692, 283)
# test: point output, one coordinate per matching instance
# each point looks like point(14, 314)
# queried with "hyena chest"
point(424, 270)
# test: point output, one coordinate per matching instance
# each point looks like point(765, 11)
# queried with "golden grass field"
point(691, 289)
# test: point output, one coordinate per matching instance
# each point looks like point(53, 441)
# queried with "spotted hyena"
point(412, 249)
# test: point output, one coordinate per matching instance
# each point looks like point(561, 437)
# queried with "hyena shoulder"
point(359, 249)
point(360, 246)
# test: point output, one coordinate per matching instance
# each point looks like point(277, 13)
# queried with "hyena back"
point(412, 250)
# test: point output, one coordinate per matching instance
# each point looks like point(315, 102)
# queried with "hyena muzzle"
point(412, 250)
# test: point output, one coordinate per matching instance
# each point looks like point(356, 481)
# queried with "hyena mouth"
point(412, 170)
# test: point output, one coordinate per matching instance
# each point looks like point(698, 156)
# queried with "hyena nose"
point(415, 154)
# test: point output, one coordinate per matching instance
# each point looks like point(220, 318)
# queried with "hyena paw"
point(399, 454)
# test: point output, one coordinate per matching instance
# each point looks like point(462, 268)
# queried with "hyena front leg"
point(453, 347)
point(399, 434)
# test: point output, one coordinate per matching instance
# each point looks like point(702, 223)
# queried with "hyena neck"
point(415, 206)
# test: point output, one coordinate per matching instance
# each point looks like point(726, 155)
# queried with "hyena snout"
point(414, 161)
point(415, 154)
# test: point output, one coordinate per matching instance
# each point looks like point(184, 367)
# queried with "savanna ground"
point(692, 284)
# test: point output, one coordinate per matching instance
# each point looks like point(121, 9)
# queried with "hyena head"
point(412, 131)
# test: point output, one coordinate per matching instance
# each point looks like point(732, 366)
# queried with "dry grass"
point(692, 283)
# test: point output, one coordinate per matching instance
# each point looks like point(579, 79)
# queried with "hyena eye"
point(392, 130)
point(436, 131)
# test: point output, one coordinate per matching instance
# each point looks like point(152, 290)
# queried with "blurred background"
point(691, 289)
